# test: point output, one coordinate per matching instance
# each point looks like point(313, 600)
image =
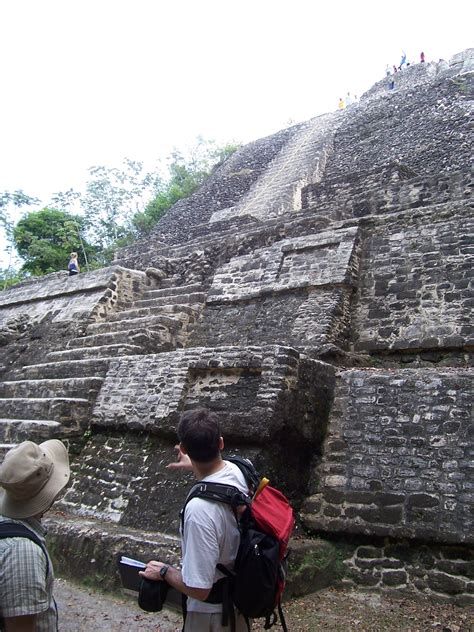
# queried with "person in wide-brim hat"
point(31, 477)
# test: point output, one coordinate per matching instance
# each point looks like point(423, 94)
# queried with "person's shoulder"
point(237, 475)
point(202, 511)
point(24, 548)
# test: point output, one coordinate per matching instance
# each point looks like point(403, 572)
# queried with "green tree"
point(112, 196)
point(45, 239)
point(10, 202)
point(9, 277)
point(187, 171)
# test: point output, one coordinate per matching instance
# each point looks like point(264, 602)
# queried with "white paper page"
point(129, 562)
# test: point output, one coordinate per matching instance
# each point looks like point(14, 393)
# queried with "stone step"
point(13, 431)
point(70, 411)
point(151, 322)
point(173, 291)
point(172, 281)
point(187, 299)
point(142, 312)
point(149, 339)
point(96, 367)
point(97, 543)
point(85, 387)
point(106, 351)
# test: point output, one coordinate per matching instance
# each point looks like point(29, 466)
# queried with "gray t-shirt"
point(210, 537)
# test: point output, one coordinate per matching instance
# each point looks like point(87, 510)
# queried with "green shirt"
point(24, 587)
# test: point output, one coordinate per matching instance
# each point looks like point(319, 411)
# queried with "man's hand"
point(174, 579)
point(183, 463)
point(152, 571)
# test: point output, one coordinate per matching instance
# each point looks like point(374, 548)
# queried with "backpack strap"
point(282, 618)
point(252, 477)
point(15, 530)
point(216, 492)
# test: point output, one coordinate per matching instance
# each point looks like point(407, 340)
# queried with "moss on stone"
point(315, 564)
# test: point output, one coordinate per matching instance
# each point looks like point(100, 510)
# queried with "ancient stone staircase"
point(302, 161)
point(158, 321)
point(55, 398)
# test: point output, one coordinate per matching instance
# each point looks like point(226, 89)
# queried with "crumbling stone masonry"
point(316, 292)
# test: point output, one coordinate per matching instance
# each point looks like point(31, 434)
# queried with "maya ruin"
point(316, 292)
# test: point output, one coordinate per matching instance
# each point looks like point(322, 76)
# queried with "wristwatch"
point(163, 571)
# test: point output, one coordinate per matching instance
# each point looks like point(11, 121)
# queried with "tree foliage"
point(45, 239)
point(119, 205)
point(10, 202)
point(187, 171)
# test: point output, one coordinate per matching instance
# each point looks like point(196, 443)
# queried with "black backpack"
point(16, 530)
point(256, 583)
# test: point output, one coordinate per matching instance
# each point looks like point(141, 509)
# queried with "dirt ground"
point(83, 610)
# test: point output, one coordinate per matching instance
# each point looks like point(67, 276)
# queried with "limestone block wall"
point(271, 404)
point(427, 129)
point(388, 190)
point(416, 282)
point(64, 298)
point(296, 292)
point(395, 463)
point(441, 571)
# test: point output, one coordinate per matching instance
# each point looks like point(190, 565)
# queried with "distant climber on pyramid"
point(422, 57)
point(341, 105)
point(403, 60)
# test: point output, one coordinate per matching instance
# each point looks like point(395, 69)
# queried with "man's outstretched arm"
point(182, 463)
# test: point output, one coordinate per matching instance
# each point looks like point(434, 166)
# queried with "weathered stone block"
point(394, 578)
point(442, 583)
point(369, 552)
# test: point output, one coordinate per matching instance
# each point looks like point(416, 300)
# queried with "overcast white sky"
point(87, 82)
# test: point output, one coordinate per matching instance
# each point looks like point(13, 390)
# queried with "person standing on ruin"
point(402, 61)
point(31, 478)
point(422, 57)
point(210, 533)
point(341, 105)
point(73, 265)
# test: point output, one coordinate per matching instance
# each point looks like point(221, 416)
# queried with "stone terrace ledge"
point(68, 296)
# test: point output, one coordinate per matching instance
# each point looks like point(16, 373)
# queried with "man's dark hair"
point(198, 431)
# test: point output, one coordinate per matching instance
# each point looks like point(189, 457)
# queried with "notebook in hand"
point(128, 569)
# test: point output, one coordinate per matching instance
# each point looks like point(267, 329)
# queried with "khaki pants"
point(204, 622)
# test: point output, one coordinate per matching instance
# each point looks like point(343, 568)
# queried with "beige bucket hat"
point(31, 476)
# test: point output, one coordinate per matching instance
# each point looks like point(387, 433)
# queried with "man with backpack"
point(31, 478)
point(210, 534)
